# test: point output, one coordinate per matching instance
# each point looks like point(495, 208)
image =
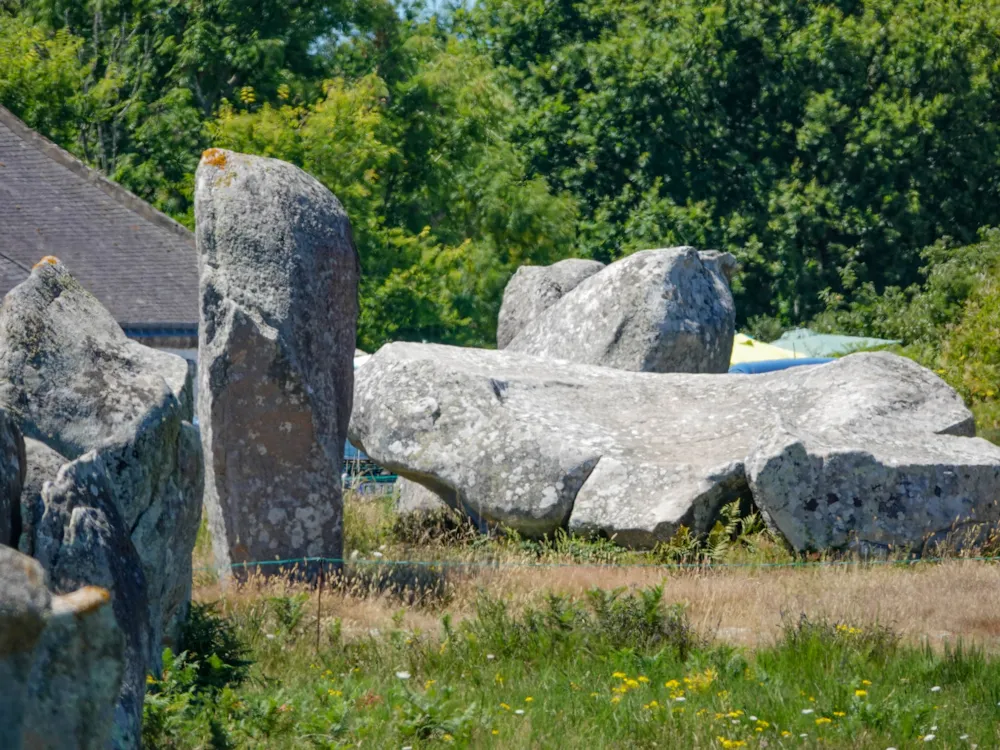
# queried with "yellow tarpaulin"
point(746, 349)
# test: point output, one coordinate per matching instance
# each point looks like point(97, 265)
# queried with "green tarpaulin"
point(812, 344)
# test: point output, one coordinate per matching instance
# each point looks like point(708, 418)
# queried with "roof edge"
point(113, 190)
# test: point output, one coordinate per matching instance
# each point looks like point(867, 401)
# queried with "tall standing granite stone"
point(77, 384)
point(279, 307)
point(668, 310)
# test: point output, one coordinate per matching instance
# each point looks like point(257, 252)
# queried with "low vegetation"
point(503, 642)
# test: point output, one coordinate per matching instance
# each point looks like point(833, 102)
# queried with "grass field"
point(512, 644)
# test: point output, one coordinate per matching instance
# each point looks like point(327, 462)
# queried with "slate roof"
point(139, 263)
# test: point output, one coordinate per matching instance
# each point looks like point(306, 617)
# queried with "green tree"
point(823, 142)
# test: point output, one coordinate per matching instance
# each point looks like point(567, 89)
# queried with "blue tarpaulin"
point(773, 365)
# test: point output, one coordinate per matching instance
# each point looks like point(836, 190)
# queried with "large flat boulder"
point(534, 289)
point(60, 661)
point(279, 306)
point(666, 310)
point(77, 384)
point(539, 445)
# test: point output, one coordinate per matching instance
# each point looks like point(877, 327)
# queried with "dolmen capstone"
point(111, 469)
point(871, 449)
point(668, 310)
point(279, 306)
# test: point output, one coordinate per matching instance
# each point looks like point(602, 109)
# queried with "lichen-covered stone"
point(82, 540)
point(60, 662)
point(279, 280)
point(42, 464)
point(538, 444)
point(830, 489)
point(667, 310)
point(78, 384)
point(534, 289)
point(412, 497)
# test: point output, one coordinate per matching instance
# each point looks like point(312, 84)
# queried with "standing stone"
point(78, 384)
point(534, 289)
point(279, 306)
point(82, 540)
point(60, 662)
point(655, 311)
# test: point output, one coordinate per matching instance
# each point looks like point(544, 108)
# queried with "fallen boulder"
point(665, 310)
point(77, 384)
point(534, 289)
point(279, 291)
point(539, 445)
point(415, 498)
point(60, 661)
point(827, 489)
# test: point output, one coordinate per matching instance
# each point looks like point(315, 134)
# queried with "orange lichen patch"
point(48, 260)
point(214, 157)
point(81, 602)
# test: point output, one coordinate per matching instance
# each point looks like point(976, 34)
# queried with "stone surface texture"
point(534, 289)
point(415, 498)
point(77, 384)
point(12, 477)
point(60, 662)
point(279, 305)
point(538, 444)
point(826, 489)
point(666, 310)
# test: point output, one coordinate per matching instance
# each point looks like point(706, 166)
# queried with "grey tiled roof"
point(139, 263)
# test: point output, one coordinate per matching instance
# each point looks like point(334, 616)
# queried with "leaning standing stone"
point(279, 307)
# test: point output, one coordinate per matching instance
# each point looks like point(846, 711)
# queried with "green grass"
point(614, 670)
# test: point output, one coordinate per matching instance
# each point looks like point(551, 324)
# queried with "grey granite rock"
point(279, 305)
point(538, 444)
point(890, 488)
point(42, 464)
point(24, 607)
point(77, 384)
point(665, 310)
point(12, 469)
point(415, 498)
point(82, 540)
point(60, 662)
point(534, 289)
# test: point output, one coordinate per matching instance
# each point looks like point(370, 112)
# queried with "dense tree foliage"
point(825, 143)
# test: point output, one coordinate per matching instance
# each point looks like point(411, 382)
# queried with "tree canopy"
point(826, 144)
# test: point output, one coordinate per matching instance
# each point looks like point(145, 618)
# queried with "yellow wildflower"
point(823, 720)
point(616, 699)
point(786, 733)
point(505, 707)
point(595, 695)
point(619, 675)
point(631, 684)
point(529, 699)
point(448, 738)
point(643, 679)
point(866, 683)
point(496, 732)
point(671, 684)
point(427, 685)
point(860, 693)
point(334, 693)
point(839, 714)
